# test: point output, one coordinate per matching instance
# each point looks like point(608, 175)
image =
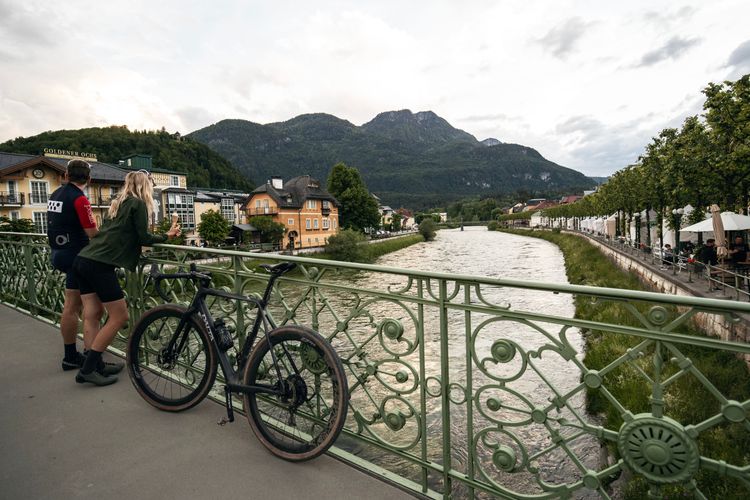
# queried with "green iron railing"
point(456, 392)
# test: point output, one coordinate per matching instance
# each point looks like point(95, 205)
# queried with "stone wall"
point(718, 325)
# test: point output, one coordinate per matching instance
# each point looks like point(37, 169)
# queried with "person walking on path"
point(118, 244)
point(70, 224)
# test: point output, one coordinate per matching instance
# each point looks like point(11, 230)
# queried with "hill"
point(410, 159)
point(203, 166)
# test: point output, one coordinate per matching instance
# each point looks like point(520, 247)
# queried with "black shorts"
point(62, 260)
point(97, 277)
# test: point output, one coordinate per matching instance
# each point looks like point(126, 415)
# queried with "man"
point(707, 254)
point(738, 252)
point(70, 225)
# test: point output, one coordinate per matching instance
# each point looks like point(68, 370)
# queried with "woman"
point(118, 244)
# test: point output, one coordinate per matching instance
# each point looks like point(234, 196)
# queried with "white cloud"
point(586, 83)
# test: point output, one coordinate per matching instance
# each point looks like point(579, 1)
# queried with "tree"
point(349, 246)
point(213, 228)
point(396, 221)
point(270, 231)
point(358, 209)
point(427, 229)
point(17, 225)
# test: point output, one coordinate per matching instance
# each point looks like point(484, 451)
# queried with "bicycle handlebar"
point(205, 277)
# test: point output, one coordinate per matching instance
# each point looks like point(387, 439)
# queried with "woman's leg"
point(117, 312)
point(92, 317)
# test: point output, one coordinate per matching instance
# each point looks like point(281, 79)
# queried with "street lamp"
point(677, 212)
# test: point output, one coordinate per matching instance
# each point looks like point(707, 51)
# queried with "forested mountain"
point(410, 159)
point(204, 167)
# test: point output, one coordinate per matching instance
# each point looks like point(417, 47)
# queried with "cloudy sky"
point(587, 83)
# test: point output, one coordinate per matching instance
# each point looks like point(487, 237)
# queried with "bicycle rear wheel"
point(307, 416)
point(168, 379)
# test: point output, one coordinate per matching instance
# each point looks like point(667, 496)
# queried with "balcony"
point(12, 199)
point(252, 212)
point(325, 210)
point(101, 201)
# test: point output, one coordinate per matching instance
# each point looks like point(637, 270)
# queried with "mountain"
point(203, 166)
point(410, 159)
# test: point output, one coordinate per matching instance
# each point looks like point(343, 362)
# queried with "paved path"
point(61, 440)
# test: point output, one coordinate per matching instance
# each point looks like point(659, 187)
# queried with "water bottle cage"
point(223, 336)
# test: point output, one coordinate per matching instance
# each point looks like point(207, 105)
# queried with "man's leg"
point(72, 359)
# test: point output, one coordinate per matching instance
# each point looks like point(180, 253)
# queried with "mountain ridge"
point(412, 159)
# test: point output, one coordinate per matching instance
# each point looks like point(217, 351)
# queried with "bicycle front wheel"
point(170, 375)
point(306, 416)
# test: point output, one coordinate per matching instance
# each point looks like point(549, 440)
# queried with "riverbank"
point(687, 400)
point(379, 248)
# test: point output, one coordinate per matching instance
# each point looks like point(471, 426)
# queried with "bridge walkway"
point(62, 440)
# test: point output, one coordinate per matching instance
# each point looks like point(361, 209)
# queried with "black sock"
point(70, 352)
point(92, 360)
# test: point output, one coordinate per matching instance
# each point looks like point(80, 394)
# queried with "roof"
point(295, 192)
point(213, 195)
point(100, 172)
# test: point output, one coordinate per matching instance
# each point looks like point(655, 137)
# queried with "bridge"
point(455, 390)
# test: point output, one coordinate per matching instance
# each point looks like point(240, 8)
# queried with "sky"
point(586, 83)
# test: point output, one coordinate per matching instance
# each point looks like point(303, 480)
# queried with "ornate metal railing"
point(458, 392)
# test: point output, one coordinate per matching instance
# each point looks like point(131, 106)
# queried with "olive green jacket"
point(119, 240)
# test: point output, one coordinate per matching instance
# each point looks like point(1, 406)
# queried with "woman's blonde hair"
point(138, 185)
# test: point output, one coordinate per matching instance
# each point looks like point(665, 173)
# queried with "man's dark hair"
point(710, 240)
point(79, 171)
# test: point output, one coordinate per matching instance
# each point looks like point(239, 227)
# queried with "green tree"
point(396, 221)
point(349, 246)
point(270, 231)
point(213, 228)
point(17, 225)
point(358, 209)
point(427, 229)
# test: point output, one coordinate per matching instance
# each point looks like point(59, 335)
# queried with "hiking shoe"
point(76, 364)
point(108, 368)
point(95, 378)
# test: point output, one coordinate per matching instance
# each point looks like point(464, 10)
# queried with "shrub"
point(350, 246)
point(427, 229)
point(492, 226)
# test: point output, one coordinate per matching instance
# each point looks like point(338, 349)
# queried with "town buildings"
point(308, 212)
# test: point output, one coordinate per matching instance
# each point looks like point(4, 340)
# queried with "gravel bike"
point(293, 385)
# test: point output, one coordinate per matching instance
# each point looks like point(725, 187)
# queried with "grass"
point(686, 400)
point(375, 250)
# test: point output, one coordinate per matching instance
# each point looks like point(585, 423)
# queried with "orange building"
point(309, 213)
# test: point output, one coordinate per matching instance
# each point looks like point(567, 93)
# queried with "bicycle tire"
point(275, 420)
point(174, 384)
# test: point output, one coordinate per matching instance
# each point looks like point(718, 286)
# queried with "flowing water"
point(476, 251)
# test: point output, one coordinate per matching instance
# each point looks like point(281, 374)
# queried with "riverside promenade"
point(62, 440)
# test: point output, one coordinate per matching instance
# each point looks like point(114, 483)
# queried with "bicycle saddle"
point(280, 268)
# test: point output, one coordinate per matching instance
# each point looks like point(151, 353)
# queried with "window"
point(227, 209)
point(307, 224)
point(311, 204)
point(334, 223)
point(174, 180)
point(326, 223)
point(315, 223)
point(290, 222)
point(114, 191)
point(326, 205)
point(39, 194)
point(40, 222)
point(316, 240)
point(13, 192)
point(183, 204)
point(15, 215)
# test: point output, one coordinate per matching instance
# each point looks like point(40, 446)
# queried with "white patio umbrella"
point(730, 220)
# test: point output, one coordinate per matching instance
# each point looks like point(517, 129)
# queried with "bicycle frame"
point(199, 309)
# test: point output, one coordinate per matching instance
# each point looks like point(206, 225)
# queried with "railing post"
point(445, 385)
point(28, 254)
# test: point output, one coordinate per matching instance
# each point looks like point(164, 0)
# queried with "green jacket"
point(119, 240)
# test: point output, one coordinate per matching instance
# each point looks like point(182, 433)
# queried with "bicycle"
point(293, 385)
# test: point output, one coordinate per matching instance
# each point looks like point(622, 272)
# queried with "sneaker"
point(95, 378)
point(110, 368)
point(76, 364)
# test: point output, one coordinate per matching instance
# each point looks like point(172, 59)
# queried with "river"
point(476, 251)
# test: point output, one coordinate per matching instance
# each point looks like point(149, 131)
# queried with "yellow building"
point(26, 181)
point(309, 213)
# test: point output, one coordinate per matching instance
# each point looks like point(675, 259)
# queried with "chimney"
point(277, 182)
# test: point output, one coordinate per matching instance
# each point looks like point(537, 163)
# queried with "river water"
point(476, 251)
